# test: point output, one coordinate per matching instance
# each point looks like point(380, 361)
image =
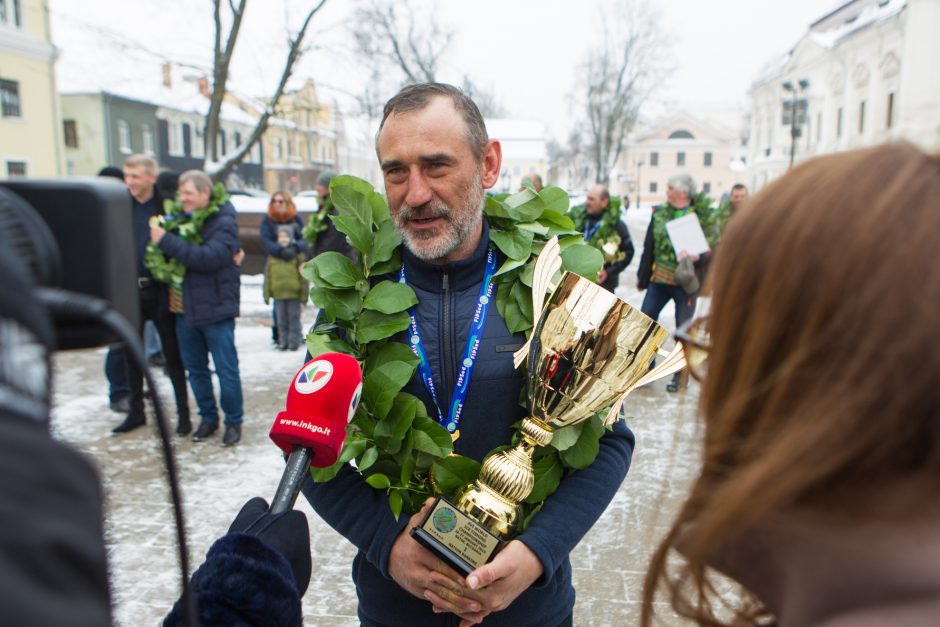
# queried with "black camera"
point(75, 236)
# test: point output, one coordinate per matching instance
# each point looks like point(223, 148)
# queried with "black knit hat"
point(325, 178)
point(113, 172)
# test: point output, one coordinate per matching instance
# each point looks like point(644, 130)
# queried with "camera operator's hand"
point(287, 533)
point(289, 252)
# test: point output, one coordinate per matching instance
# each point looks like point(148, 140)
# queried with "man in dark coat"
point(437, 161)
point(140, 175)
point(330, 240)
point(211, 291)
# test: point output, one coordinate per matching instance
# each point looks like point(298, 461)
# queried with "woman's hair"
point(823, 386)
point(290, 209)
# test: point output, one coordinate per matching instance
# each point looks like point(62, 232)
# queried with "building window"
point(277, 149)
point(222, 142)
point(706, 188)
point(199, 143)
point(889, 117)
point(71, 133)
point(9, 98)
point(173, 133)
point(654, 159)
point(187, 140)
point(680, 158)
point(124, 137)
point(653, 187)
point(839, 122)
point(861, 117)
point(16, 169)
point(238, 139)
point(147, 135)
point(708, 159)
point(10, 13)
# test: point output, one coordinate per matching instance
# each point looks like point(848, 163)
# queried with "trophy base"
point(459, 540)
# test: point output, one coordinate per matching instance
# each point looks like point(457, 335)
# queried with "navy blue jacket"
point(447, 300)
point(212, 286)
point(268, 234)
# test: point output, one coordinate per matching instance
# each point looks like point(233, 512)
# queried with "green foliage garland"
point(186, 226)
point(316, 223)
point(394, 442)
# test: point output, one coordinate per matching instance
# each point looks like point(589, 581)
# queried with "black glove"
point(287, 533)
point(288, 252)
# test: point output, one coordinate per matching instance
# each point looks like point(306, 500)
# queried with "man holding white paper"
point(683, 228)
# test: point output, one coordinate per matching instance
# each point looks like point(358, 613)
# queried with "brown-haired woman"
point(281, 211)
point(820, 486)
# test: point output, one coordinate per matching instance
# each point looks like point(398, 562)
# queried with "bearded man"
point(437, 161)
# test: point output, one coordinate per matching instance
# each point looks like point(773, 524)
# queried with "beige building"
point(863, 74)
point(300, 141)
point(680, 143)
point(524, 150)
point(30, 120)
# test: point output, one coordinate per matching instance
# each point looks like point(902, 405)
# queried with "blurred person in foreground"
point(53, 558)
point(821, 404)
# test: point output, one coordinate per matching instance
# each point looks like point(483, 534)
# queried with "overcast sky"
point(526, 51)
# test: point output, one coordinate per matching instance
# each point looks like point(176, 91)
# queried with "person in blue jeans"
point(210, 303)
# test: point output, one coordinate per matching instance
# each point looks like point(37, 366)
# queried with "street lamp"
point(796, 107)
point(639, 188)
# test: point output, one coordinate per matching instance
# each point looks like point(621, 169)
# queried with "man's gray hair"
point(682, 183)
point(198, 178)
point(417, 97)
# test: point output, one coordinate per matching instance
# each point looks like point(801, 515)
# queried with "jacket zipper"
point(447, 338)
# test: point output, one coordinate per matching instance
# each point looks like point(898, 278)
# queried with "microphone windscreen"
point(321, 400)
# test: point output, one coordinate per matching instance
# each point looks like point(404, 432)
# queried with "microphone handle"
point(298, 465)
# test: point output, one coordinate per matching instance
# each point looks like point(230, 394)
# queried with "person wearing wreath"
point(210, 298)
point(659, 261)
point(599, 220)
point(437, 160)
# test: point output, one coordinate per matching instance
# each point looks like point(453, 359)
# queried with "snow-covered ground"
point(215, 481)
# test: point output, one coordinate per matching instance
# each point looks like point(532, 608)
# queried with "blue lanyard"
point(588, 232)
point(470, 351)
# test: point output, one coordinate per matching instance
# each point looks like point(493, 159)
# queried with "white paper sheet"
point(686, 234)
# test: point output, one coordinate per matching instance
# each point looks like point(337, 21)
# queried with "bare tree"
point(618, 76)
point(217, 165)
point(393, 42)
point(485, 98)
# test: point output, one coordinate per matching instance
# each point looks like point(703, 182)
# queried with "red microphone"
point(321, 400)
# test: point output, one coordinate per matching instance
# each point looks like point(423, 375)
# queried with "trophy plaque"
point(586, 350)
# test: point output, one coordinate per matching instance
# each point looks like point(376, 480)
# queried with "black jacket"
point(212, 285)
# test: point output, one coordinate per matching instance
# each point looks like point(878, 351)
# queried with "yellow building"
point(300, 141)
point(30, 119)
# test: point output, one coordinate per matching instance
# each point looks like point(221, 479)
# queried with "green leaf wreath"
point(316, 223)
point(605, 238)
point(186, 226)
point(396, 445)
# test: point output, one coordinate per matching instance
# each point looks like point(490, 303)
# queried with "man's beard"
point(458, 224)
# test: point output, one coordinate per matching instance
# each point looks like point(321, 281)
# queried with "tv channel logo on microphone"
point(314, 377)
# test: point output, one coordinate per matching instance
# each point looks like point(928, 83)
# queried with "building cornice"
point(14, 42)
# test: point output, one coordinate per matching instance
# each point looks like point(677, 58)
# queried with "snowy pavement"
point(609, 564)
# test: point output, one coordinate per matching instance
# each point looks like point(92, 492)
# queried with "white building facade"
point(866, 74)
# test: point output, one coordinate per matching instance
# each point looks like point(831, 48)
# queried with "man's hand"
point(156, 233)
point(425, 576)
point(498, 583)
point(238, 257)
point(288, 252)
point(602, 276)
point(683, 253)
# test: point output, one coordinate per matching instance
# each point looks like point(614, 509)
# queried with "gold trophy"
point(586, 351)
